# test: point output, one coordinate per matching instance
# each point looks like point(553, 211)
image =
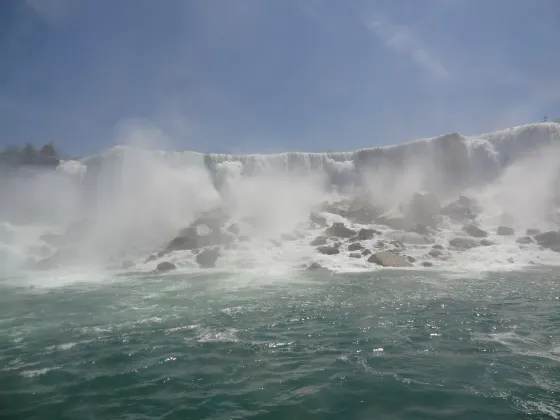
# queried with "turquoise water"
point(387, 345)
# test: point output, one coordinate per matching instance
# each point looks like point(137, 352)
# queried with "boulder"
point(435, 253)
point(423, 208)
point(380, 244)
point(319, 240)
point(427, 264)
point(505, 231)
point(166, 266)
point(440, 247)
point(151, 258)
point(328, 250)
point(463, 208)
point(411, 259)
point(366, 252)
point(549, 239)
point(524, 240)
point(532, 232)
point(234, 229)
point(355, 255)
point(339, 230)
point(365, 234)
point(208, 257)
point(487, 242)
point(463, 243)
point(389, 259)
point(315, 266)
point(318, 219)
point(356, 246)
point(474, 231)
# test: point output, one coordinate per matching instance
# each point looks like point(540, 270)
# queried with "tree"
point(29, 155)
point(48, 151)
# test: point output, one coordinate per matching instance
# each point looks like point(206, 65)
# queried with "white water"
point(140, 198)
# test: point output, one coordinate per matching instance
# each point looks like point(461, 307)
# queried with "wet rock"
point(234, 229)
point(365, 234)
point(423, 208)
point(151, 258)
point(366, 252)
point(475, 231)
point(463, 243)
point(411, 259)
point(315, 266)
point(510, 260)
point(421, 230)
point(549, 239)
point(525, 240)
point(356, 246)
point(505, 231)
point(397, 244)
point(435, 253)
point(337, 244)
point(380, 244)
point(318, 219)
point(440, 247)
point(208, 257)
point(339, 230)
point(532, 232)
point(427, 264)
point(328, 250)
point(319, 240)
point(389, 259)
point(166, 266)
point(463, 208)
point(487, 242)
point(354, 238)
point(355, 255)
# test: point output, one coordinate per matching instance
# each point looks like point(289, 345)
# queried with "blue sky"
point(248, 76)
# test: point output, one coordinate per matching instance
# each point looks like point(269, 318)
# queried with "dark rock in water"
point(475, 231)
point(462, 209)
point(166, 266)
point(549, 239)
point(421, 230)
point(234, 229)
point(366, 252)
point(318, 219)
point(337, 244)
point(440, 247)
point(328, 250)
point(208, 257)
point(524, 240)
point(355, 255)
point(319, 240)
point(127, 264)
point(423, 208)
point(397, 244)
point(463, 243)
point(354, 238)
point(151, 258)
point(356, 246)
point(365, 234)
point(411, 259)
point(505, 231)
point(380, 244)
point(182, 243)
point(427, 264)
point(339, 230)
point(288, 237)
point(315, 266)
point(487, 242)
point(190, 238)
point(435, 253)
point(510, 260)
point(389, 259)
point(532, 232)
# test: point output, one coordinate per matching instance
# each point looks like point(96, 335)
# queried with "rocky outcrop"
point(206, 231)
point(316, 267)
point(319, 240)
point(423, 209)
point(549, 239)
point(356, 246)
point(389, 259)
point(525, 240)
point(366, 252)
point(463, 208)
point(208, 257)
point(355, 255)
point(366, 234)
point(505, 231)
point(318, 219)
point(339, 230)
point(166, 266)
point(532, 232)
point(328, 250)
point(463, 243)
point(474, 231)
point(487, 242)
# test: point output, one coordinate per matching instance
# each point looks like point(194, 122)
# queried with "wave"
point(137, 200)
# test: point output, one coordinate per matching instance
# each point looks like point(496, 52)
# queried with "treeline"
point(29, 155)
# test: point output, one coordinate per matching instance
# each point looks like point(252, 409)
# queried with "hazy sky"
point(273, 75)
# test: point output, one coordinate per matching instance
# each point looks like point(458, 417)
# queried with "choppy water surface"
point(382, 345)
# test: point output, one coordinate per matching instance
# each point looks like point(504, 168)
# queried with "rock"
point(510, 260)
point(319, 240)
point(411, 259)
point(355, 255)
point(365, 234)
point(549, 239)
point(234, 229)
point(166, 266)
point(339, 230)
point(423, 208)
point(151, 258)
point(487, 242)
point(356, 210)
point(208, 257)
point(288, 237)
point(421, 230)
point(328, 250)
point(354, 238)
point(426, 264)
point(435, 253)
point(462, 209)
point(389, 259)
point(337, 244)
point(318, 219)
point(463, 243)
point(440, 247)
point(475, 231)
point(315, 266)
point(524, 240)
point(356, 246)
point(205, 231)
point(397, 244)
point(127, 264)
point(366, 252)
point(505, 231)
point(532, 232)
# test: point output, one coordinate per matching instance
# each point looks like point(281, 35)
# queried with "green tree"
point(29, 155)
point(48, 151)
